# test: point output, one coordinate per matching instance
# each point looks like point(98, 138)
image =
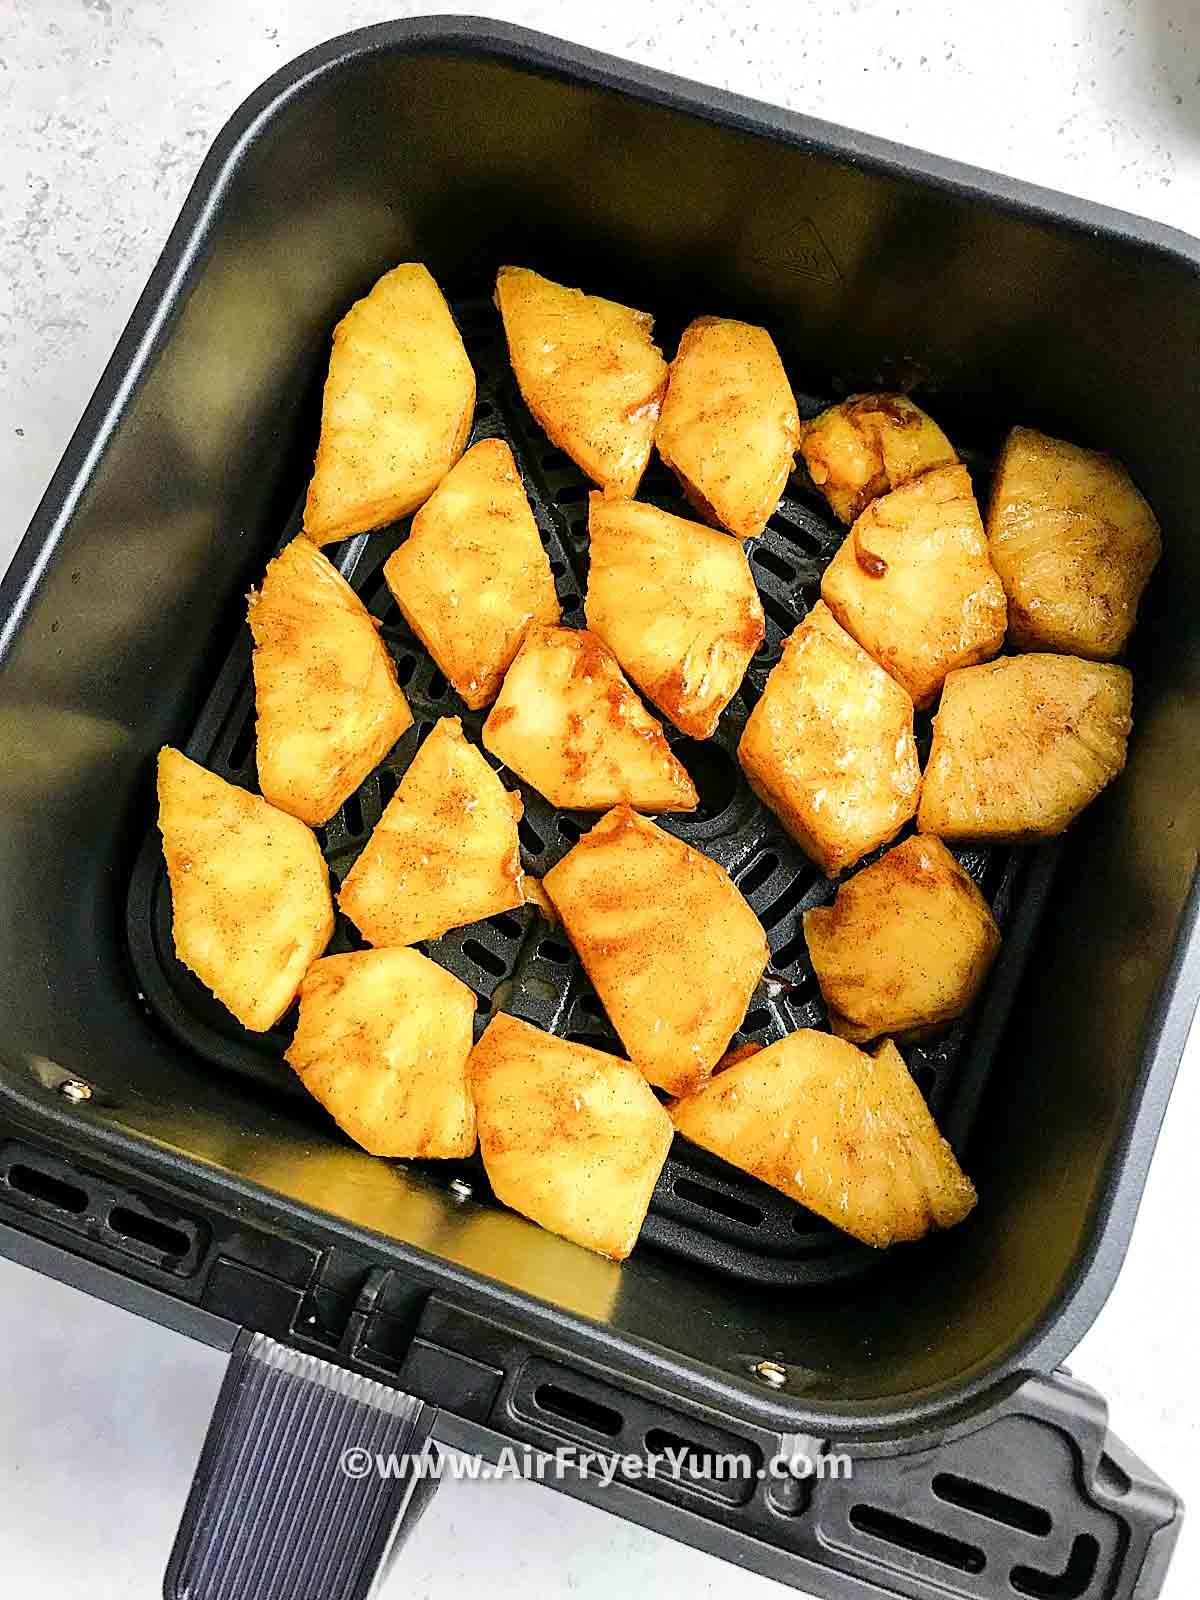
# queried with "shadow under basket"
point(155, 1153)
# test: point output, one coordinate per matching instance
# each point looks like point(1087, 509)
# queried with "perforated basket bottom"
point(703, 1208)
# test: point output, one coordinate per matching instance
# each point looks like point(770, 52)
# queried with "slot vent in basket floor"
point(702, 1209)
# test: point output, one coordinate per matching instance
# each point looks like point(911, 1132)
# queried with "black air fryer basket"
point(158, 1155)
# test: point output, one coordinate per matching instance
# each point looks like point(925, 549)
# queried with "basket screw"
point(771, 1372)
point(461, 1189)
point(75, 1090)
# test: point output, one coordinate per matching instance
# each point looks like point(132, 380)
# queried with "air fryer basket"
point(154, 1153)
point(517, 961)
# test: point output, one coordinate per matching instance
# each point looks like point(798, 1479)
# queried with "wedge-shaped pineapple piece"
point(906, 945)
point(568, 723)
point(676, 604)
point(1074, 543)
point(251, 909)
point(829, 746)
point(472, 574)
point(1021, 746)
point(673, 949)
point(729, 425)
point(570, 1137)
point(589, 372)
point(913, 583)
point(329, 707)
point(869, 444)
point(443, 853)
point(382, 1043)
point(844, 1133)
point(398, 405)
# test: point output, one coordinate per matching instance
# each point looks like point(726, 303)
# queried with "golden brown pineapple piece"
point(1074, 543)
point(382, 1043)
point(443, 853)
point(869, 444)
point(906, 945)
point(829, 746)
point(251, 909)
point(1021, 746)
point(329, 707)
point(568, 723)
point(729, 425)
point(673, 949)
point(844, 1133)
point(398, 405)
point(676, 604)
point(472, 574)
point(570, 1137)
point(913, 583)
point(589, 372)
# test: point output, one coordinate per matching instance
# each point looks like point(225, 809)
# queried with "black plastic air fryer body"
point(150, 1153)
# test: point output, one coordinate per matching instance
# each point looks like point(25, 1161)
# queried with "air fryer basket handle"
point(1024, 1493)
point(309, 1479)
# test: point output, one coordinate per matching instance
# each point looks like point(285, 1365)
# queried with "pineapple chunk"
point(906, 945)
point(1074, 543)
point(472, 574)
point(535, 895)
point(382, 1043)
point(829, 746)
point(1022, 745)
point(589, 372)
point(676, 604)
point(569, 724)
point(844, 1133)
point(329, 707)
point(738, 1052)
point(443, 853)
point(913, 583)
point(729, 424)
point(869, 444)
point(570, 1137)
point(251, 909)
point(399, 401)
point(673, 949)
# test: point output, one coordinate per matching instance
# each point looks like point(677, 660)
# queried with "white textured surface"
point(106, 108)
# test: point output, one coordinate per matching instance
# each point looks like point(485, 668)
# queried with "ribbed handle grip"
point(289, 1501)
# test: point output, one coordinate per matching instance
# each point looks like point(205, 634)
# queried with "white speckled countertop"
point(106, 109)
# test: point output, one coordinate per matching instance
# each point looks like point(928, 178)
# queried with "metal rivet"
point(771, 1372)
point(75, 1090)
point(461, 1189)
